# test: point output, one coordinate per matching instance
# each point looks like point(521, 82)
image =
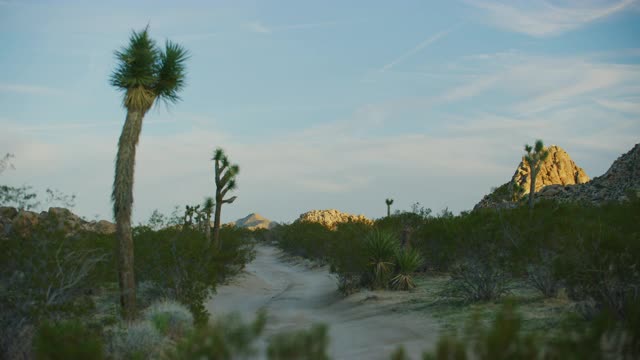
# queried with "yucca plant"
point(408, 261)
point(145, 73)
point(380, 247)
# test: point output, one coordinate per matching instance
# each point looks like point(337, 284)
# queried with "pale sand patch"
point(365, 325)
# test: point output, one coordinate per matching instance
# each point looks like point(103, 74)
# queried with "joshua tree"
point(534, 158)
point(144, 73)
point(225, 174)
point(389, 202)
point(208, 205)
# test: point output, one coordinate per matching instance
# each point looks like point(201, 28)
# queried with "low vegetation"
point(586, 255)
point(49, 277)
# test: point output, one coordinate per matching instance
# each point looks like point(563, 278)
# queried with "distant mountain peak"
point(254, 221)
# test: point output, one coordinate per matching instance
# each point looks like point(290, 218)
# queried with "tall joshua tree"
point(225, 174)
point(389, 202)
point(144, 73)
point(534, 158)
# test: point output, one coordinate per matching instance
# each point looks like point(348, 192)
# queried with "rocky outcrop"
point(622, 178)
point(253, 222)
point(331, 218)
point(561, 179)
point(557, 169)
point(24, 222)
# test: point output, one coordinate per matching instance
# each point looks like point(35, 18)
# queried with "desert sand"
point(366, 325)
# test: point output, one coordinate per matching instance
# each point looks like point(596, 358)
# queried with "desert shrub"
point(302, 344)
point(46, 276)
point(348, 257)
point(67, 340)
point(399, 354)
point(170, 318)
point(477, 278)
point(380, 249)
point(599, 259)
point(349, 283)
point(181, 264)
point(407, 262)
point(541, 275)
point(138, 340)
point(504, 338)
point(306, 239)
point(225, 338)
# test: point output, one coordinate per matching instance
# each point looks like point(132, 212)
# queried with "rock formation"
point(254, 221)
point(557, 169)
point(23, 222)
point(622, 178)
point(331, 218)
point(561, 179)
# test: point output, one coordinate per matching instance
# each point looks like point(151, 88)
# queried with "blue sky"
point(328, 104)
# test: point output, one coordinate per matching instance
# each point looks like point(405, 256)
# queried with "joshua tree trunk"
point(207, 227)
point(216, 222)
point(388, 210)
point(532, 188)
point(123, 200)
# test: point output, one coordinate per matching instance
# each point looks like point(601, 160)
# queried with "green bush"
point(45, 275)
point(173, 320)
point(67, 340)
point(477, 279)
point(137, 341)
point(504, 338)
point(226, 338)
point(181, 264)
point(306, 239)
point(302, 344)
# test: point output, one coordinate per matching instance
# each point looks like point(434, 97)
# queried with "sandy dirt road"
point(366, 325)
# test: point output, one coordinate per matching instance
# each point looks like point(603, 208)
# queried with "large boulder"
point(557, 169)
point(24, 222)
point(331, 218)
point(56, 219)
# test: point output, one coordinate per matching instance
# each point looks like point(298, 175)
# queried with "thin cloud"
point(260, 28)
point(430, 40)
point(29, 89)
point(543, 19)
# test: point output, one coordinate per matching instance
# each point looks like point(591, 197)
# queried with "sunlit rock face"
point(617, 184)
point(253, 222)
point(557, 169)
point(331, 218)
point(561, 179)
point(59, 220)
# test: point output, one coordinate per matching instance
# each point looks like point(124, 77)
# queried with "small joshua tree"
point(389, 202)
point(208, 205)
point(225, 174)
point(534, 158)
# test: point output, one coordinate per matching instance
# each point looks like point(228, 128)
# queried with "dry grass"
point(538, 312)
